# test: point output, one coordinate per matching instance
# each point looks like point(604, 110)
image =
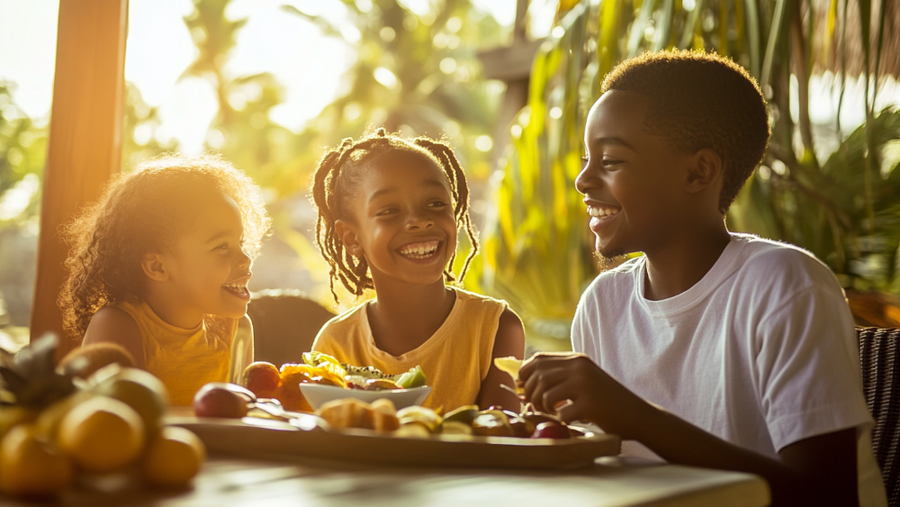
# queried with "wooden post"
point(85, 143)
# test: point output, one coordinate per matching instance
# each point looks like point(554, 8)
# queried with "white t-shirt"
point(761, 352)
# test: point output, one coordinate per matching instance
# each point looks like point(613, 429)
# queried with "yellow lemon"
point(101, 434)
point(173, 458)
point(141, 391)
point(47, 423)
point(31, 468)
point(14, 415)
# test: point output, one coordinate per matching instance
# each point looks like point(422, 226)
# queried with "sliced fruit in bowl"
point(319, 394)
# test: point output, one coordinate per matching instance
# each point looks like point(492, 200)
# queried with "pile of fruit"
point(380, 415)
point(55, 426)
point(267, 390)
point(417, 421)
point(498, 422)
point(265, 380)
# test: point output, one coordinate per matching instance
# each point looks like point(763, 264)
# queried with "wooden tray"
point(254, 437)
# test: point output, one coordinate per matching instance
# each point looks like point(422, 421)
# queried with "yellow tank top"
point(184, 359)
point(455, 359)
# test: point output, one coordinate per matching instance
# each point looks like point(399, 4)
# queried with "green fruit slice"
point(415, 377)
point(464, 414)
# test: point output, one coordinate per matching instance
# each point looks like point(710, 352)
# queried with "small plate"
point(319, 394)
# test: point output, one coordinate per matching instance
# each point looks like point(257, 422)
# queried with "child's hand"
point(576, 389)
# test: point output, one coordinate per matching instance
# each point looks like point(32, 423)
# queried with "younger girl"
point(160, 265)
point(389, 212)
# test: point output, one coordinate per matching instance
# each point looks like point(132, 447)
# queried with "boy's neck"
point(406, 315)
point(680, 264)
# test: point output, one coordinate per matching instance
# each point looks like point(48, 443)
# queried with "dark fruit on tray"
point(520, 426)
point(536, 418)
point(492, 423)
point(551, 430)
point(499, 422)
point(219, 401)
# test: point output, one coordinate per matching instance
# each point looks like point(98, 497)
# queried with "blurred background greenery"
point(828, 183)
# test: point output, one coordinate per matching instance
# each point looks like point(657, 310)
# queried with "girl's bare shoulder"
point(111, 324)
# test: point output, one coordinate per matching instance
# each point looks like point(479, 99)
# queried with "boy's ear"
point(349, 237)
point(706, 167)
point(153, 266)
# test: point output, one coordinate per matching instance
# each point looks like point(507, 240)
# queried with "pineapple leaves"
point(30, 377)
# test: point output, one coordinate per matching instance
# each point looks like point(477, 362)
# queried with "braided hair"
point(335, 182)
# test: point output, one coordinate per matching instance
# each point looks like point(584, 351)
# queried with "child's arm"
point(113, 325)
point(247, 325)
point(510, 341)
point(820, 470)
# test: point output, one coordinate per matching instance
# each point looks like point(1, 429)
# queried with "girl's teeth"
point(601, 212)
point(237, 289)
point(419, 251)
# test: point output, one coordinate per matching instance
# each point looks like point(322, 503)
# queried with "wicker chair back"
point(879, 352)
point(285, 323)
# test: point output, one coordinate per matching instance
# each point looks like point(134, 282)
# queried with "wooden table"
point(227, 482)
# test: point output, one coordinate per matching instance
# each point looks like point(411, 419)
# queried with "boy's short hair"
point(700, 100)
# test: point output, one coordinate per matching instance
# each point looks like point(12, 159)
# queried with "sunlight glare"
point(14, 201)
point(28, 53)
point(448, 65)
point(484, 143)
point(386, 77)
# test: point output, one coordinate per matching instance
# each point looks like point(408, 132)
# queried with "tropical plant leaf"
point(775, 31)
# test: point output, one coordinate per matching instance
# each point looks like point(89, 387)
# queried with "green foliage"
point(242, 130)
point(849, 221)
point(536, 246)
point(397, 82)
point(417, 74)
point(140, 125)
point(23, 146)
point(844, 210)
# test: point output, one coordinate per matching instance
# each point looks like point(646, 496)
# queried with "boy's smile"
point(632, 179)
point(402, 219)
point(601, 212)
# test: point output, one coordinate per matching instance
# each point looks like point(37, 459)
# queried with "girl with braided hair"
point(390, 209)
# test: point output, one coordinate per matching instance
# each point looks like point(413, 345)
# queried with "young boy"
point(713, 349)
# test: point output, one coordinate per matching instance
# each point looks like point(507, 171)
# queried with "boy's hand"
point(576, 389)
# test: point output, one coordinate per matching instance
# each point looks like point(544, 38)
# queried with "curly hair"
point(336, 181)
point(700, 100)
point(141, 212)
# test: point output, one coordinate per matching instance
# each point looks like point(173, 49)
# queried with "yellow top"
point(455, 359)
point(184, 359)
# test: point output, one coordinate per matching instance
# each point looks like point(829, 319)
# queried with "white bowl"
point(319, 394)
